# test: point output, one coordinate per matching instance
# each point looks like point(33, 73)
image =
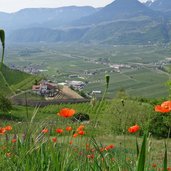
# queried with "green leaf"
point(142, 155)
point(137, 147)
point(165, 158)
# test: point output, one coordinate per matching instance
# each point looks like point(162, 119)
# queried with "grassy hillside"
point(13, 76)
point(12, 80)
point(4, 89)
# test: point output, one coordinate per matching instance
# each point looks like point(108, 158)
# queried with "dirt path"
point(70, 93)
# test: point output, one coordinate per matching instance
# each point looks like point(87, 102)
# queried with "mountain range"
point(161, 5)
point(121, 22)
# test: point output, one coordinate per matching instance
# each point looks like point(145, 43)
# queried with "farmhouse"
point(77, 85)
point(96, 92)
point(73, 76)
point(45, 88)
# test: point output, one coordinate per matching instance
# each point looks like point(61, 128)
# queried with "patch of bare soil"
point(70, 93)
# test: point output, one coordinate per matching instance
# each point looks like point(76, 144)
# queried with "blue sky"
point(15, 5)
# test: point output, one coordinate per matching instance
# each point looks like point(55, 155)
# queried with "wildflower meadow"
point(67, 145)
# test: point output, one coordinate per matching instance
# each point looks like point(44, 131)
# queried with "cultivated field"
point(91, 63)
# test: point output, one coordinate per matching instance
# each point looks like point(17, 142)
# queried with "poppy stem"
point(98, 109)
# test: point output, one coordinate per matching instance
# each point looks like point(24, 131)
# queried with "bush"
point(80, 117)
point(160, 125)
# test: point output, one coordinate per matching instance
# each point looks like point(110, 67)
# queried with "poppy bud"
point(107, 80)
point(122, 101)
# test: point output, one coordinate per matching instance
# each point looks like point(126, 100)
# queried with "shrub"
point(80, 117)
point(160, 125)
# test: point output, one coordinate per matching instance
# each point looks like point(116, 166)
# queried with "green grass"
point(26, 83)
point(110, 109)
point(108, 127)
point(4, 89)
point(14, 80)
point(37, 151)
point(13, 76)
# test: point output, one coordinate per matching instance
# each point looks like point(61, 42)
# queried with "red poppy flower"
point(8, 128)
point(66, 112)
point(154, 165)
point(80, 128)
point(133, 129)
point(54, 139)
point(161, 109)
point(90, 156)
point(75, 135)
point(59, 130)
point(81, 132)
point(13, 140)
point(2, 131)
point(68, 128)
point(70, 142)
point(45, 131)
point(166, 105)
point(87, 146)
point(109, 147)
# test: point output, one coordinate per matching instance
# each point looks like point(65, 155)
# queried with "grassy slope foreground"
point(112, 148)
point(13, 80)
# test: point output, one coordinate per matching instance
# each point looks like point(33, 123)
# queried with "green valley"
point(139, 70)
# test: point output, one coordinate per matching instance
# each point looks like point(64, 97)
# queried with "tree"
point(5, 104)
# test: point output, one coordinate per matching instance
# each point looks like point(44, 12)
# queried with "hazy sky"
point(15, 5)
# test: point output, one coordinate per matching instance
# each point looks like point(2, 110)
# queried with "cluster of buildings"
point(31, 69)
point(76, 85)
point(118, 67)
point(45, 88)
point(48, 89)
